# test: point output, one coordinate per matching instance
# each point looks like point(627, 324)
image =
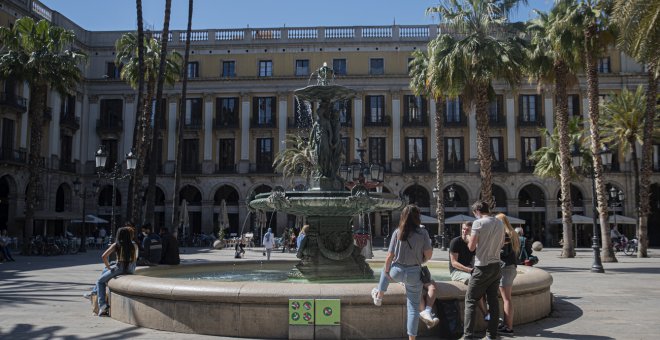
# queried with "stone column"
point(208, 167)
point(207, 216)
point(549, 116)
point(54, 130)
point(473, 165)
point(281, 121)
point(24, 118)
point(77, 135)
point(433, 135)
point(129, 124)
point(397, 164)
point(358, 121)
point(172, 135)
point(244, 163)
point(512, 206)
point(93, 141)
point(513, 164)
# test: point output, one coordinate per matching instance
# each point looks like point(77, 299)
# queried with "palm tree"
point(553, 58)
point(153, 160)
point(42, 56)
point(623, 123)
point(639, 27)
point(298, 158)
point(590, 16)
point(547, 159)
point(127, 54)
point(424, 81)
point(180, 121)
point(487, 47)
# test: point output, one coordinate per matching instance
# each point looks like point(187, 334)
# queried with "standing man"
point(461, 260)
point(486, 240)
point(169, 248)
point(268, 242)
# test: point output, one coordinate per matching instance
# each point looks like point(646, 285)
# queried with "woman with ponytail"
point(508, 260)
point(127, 254)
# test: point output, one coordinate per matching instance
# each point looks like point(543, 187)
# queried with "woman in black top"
point(508, 258)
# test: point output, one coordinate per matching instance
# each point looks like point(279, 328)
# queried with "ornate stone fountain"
point(328, 251)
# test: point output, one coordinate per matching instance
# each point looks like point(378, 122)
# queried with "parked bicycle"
point(629, 247)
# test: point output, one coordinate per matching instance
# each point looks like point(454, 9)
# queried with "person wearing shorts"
point(508, 260)
point(460, 262)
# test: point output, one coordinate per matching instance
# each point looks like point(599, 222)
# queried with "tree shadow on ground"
point(634, 270)
point(27, 331)
point(17, 292)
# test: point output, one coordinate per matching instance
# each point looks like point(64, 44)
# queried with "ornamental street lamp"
point(115, 173)
point(577, 157)
point(443, 229)
point(84, 195)
point(614, 194)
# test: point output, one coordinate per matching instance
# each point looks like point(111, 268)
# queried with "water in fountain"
point(328, 250)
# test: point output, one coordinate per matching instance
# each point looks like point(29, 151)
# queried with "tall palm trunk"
point(483, 146)
point(440, 167)
point(153, 160)
point(647, 161)
point(38, 95)
point(594, 115)
point(142, 151)
point(180, 121)
point(561, 117)
point(140, 122)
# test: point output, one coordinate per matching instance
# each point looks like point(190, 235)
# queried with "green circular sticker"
point(295, 305)
point(307, 316)
point(307, 305)
point(295, 316)
point(327, 311)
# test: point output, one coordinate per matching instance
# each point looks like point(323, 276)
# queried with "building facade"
point(240, 107)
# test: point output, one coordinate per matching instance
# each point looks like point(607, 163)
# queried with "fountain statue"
point(328, 250)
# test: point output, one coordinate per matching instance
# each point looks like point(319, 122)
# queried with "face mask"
point(145, 233)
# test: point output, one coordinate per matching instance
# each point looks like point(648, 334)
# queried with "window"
point(226, 111)
point(302, 67)
point(68, 106)
point(416, 153)
point(454, 154)
point(193, 117)
point(375, 109)
point(264, 111)
point(414, 109)
point(530, 108)
point(339, 66)
point(410, 60)
point(377, 150)
point(112, 71)
point(497, 153)
point(656, 157)
point(111, 112)
point(265, 68)
point(8, 128)
point(344, 109)
point(229, 69)
point(226, 149)
point(604, 65)
point(376, 66)
point(193, 69)
point(496, 110)
point(345, 150)
point(529, 146)
point(110, 147)
point(66, 148)
point(453, 110)
point(573, 105)
point(264, 154)
point(190, 155)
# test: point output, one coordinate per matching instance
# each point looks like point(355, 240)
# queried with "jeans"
point(411, 277)
point(268, 251)
point(485, 280)
point(108, 274)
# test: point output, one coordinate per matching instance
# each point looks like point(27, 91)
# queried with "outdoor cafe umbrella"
point(459, 219)
point(91, 219)
point(184, 219)
point(223, 217)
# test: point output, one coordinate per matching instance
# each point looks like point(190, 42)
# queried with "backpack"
point(451, 325)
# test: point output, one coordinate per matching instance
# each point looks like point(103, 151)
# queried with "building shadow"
point(29, 332)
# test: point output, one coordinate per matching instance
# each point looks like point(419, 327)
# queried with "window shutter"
point(539, 107)
point(521, 115)
point(424, 150)
point(255, 109)
point(500, 107)
point(576, 106)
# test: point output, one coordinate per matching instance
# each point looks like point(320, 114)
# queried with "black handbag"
point(426, 275)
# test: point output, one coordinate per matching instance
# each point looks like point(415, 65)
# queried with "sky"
point(111, 15)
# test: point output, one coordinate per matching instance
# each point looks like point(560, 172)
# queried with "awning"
point(515, 220)
point(428, 219)
point(91, 219)
point(620, 219)
point(459, 219)
point(55, 216)
point(577, 219)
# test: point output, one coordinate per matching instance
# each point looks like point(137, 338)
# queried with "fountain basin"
point(260, 309)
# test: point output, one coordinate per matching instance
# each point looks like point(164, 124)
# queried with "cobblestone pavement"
point(41, 298)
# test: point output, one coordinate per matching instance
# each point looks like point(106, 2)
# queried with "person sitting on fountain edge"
point(151, 245)
point(170, 248)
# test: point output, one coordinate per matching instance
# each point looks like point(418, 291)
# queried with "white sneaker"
point(104, 310)
point(428, 319)
point(374, 294)
point(88, 295)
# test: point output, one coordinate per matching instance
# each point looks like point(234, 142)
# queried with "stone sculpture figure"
point(327, 140)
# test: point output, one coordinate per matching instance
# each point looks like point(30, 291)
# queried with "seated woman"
point(127, 254)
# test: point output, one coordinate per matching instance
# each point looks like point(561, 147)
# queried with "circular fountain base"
point(260, 309)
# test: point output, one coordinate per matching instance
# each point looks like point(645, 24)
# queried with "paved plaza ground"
point(41, 298)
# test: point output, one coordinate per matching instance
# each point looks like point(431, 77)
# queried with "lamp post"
point(115, 173)
point(614, 194)
point(84, 195)
point(443, 229)
point(577, 157)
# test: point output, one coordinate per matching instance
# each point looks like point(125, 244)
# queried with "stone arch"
point(531, 195)
point(191, 194)
point(105, 196)
point(214, 191)
point(63, 198)
point(461, 197)
point(577, 198)
point(231, 196)
point(418, 195)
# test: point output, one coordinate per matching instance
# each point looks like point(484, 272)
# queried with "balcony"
point(385, 121)
point(499, 166)
point(497, 121)
point(225, 123)
point(454, 166)
point(69, 120)
point(263, 124)
point(225, 169)
point(13, 101)
point(13, 156)
point(105, 126)
point(415, 120)
point(526, 121)
point(456, 123)
point(69, 167)
point(193, 124)
point(191, 168)
point(262, 168)
point(417, 167)
point(527, 166)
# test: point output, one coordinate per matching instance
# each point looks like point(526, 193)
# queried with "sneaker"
point(429, 320)
point(374, 294)
point(505, 330)
point(487, 317)
point(88, 296)
point(104, 310)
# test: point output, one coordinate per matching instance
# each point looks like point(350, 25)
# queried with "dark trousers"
point(484, 280)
